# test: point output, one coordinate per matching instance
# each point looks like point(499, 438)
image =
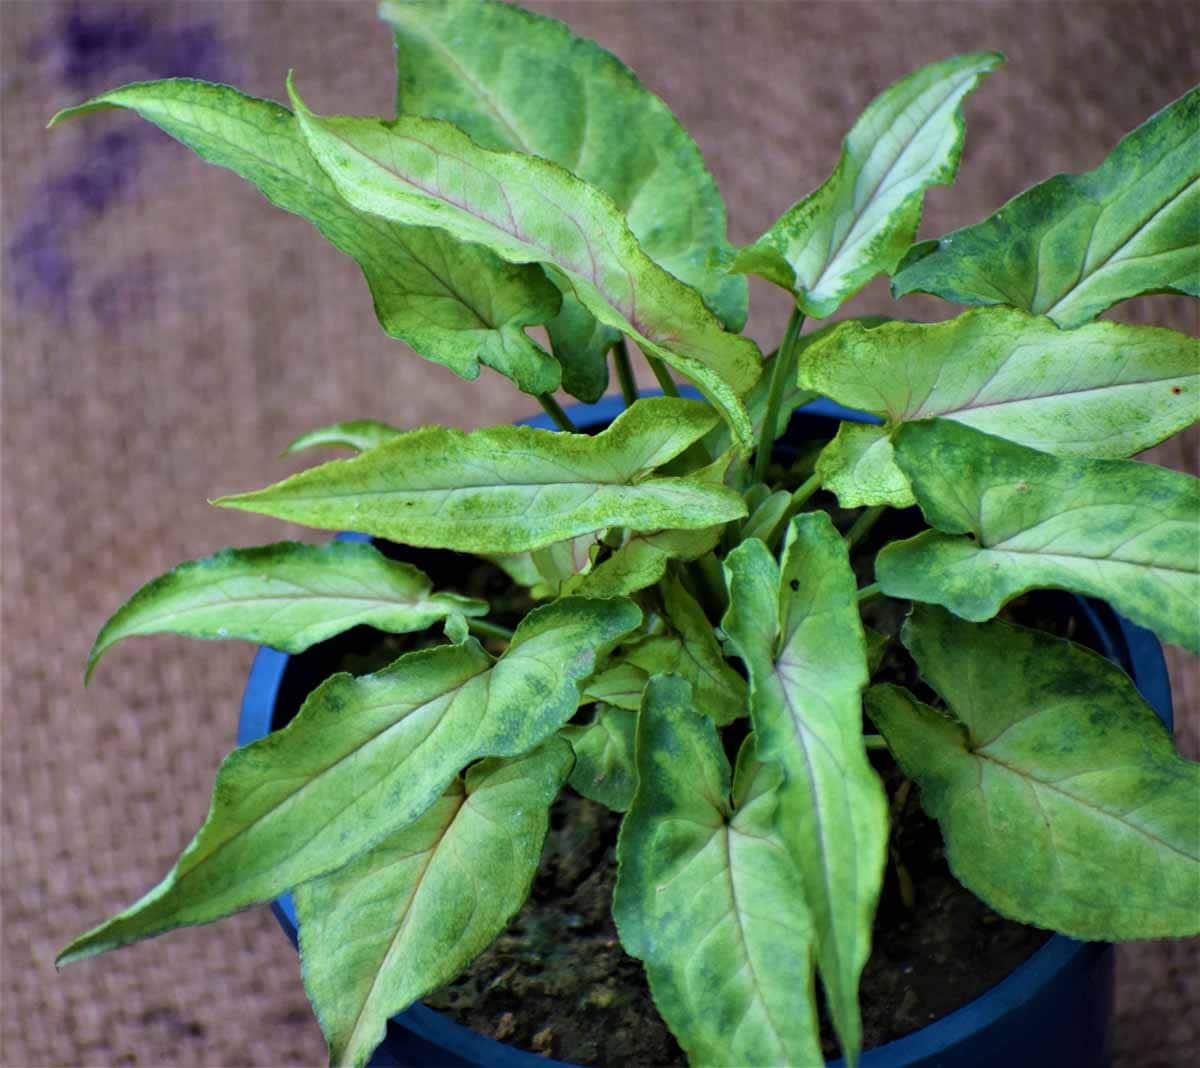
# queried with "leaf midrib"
point(402, 926)
point(1086, 276)
point(857, 214)
point(218, 846)
point(359, 217)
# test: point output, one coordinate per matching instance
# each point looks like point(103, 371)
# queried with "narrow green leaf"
point(510, 489)
point(365, 757)
point(1104, 390)
point(525, 209)
point(1060, 796)
point(797, 629)
point(692, 652)
point(412, 912)
point(357, 435)
point(1078, 243)
point(287, 595)
point(765, 515)
point(455, 304)
point(519, 81)
point(604, 764)
point(1124, 531)
point(642, 560)
point(710, 898)
point(862, 220)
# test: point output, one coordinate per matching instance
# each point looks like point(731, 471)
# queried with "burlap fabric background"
point(166, 332)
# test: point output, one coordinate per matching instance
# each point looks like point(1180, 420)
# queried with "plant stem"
point(799, 497)
point(863, 524)
point(629, 390)
point(783, 370)
point(665, 381)
point(489, 630)
point(869, 593)
point(874, 741)
point(553, 409)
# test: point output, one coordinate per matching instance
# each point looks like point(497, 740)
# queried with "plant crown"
point(697, 658)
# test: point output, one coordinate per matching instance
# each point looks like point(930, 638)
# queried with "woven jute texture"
point(166, 332)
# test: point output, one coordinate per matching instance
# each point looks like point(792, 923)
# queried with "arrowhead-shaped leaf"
point(366, 756)
point(797, 629)
point(424, 172)
point(455, 304)
point(510, 489)
point(287, 595)
point(691, 652)
point(413, 911)
point(709, 897)
point(1104, 390)
point(862, 220)
point(604, 769)
point(515, 80)
point(1120, 530)
point(357, 435)
point(1061, 798)
point(1078, 243)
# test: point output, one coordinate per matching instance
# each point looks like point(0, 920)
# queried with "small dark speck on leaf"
point(1177, 390)
point(795, 584)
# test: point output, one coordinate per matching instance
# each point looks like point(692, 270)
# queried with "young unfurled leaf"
point(861, 221)
point(509, 489)
point(642, 560)
point(620, 685)
point(1078, 243)
point(858, 467)
point(1104, 390)
point(604, 766)
point(558, 564)
point(797, 629)
point(287, 595)
point(515, 80)
point(424, 172)
point(456, 304)
point(709, 896)
point(1060, 796)
point(691, 651)
point(366, 756)
point(357, 435)
point(413, 911)
point(1124, 531)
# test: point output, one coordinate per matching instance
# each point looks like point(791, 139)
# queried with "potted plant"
point(695, 657)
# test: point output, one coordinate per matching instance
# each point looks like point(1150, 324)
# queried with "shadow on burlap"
point(166, 332)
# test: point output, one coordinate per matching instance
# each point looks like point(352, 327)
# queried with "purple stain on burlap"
point(89, 49)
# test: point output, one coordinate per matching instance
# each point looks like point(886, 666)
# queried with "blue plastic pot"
point(1053, 1011)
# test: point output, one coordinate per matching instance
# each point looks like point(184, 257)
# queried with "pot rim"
point(1133, 648)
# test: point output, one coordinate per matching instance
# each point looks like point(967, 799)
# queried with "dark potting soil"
point(557, 981)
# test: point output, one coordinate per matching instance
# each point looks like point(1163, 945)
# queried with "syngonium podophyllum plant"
point(697, 660)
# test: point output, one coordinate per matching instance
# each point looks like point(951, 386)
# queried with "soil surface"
point(557, 981)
